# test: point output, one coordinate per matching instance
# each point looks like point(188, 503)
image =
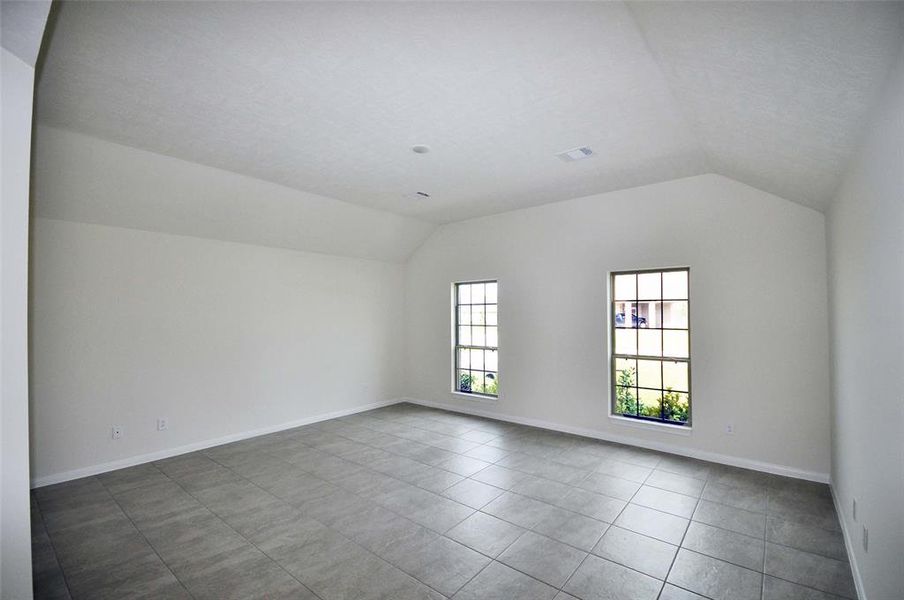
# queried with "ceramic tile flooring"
point(410, 502)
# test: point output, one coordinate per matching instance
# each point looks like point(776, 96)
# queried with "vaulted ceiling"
point(328, 98)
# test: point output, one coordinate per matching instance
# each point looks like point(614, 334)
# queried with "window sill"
point(653, 426)
point(475, 397)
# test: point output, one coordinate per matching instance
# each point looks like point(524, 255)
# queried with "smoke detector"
point(575, 154)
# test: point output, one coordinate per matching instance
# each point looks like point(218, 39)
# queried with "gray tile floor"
point(409, 502)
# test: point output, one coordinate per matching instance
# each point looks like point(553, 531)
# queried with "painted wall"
point(219, 338)
point(16, 92)
point(865, 227)
point(88, 180)
point(758, 315)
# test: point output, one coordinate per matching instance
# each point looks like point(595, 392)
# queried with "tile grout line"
point(766, 488)
point(226, 523)
point(589, 554)
point(681, 543)
point(56, 556)
point(492, 559)
point(331, 528)
point(653, 469)
point(517, 433)
point(143, 536)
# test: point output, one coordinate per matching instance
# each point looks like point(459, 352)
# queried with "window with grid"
point(476, 338)
point(651, 345)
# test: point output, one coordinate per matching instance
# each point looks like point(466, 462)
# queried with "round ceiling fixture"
point(420, 149)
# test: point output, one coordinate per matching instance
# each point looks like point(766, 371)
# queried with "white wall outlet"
point(729, 428)
point(116, 432)
point(162, 424)
point(865, 539)
point(854, 509)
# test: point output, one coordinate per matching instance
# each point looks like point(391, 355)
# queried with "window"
point(651, 345)
point(476, 338)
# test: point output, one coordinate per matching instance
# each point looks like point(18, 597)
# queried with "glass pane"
point(674, 314)
point(464, 293)
point(477, 314)
point(491, 315)
point(649, 342)
point(626, 315)
point(464, 315)
point(625, 341)
point(464, 358)
point(477, 359)
point(477, 295)
point(625, 401)
point(478, 336)
point(492, 337)
point(674, 375)
point(649, 373)
point(649, 401)
point(464, 336)
point(676, 406)
point(490, 294)
point(491, 383)
point(476, 381)
point(675, 344)
point(626, 371)
point(485, 383)
point(464, 381)
point(647, 314)
point(674, 285)
point(649, 286)
point(491, 360)
point(625, 287)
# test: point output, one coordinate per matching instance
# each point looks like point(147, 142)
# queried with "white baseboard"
point(848, 545)
point(591, 433)
point(170, 452)
point(724, 459)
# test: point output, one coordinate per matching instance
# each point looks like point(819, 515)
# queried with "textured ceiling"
point(777, 93)
point(327, 98)
point(22, 27)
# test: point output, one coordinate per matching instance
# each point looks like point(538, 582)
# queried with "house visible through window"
point(651, 345)
point(476, 338)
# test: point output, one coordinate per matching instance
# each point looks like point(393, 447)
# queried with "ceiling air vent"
point(575, 154)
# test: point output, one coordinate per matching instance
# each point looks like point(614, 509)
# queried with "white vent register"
point(575, 154)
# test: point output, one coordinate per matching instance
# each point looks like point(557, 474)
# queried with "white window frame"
point(455, 345)
point(637, 421)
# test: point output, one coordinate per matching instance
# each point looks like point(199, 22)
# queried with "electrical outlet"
point(162, 424)
point(865, 539)
point(116, 432)
point(854, 509)
point(729, 428)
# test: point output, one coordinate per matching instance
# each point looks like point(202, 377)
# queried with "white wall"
point(866, 258)
point(218, 337)
point(88, 180)
point(15, 524)
point(758, 314)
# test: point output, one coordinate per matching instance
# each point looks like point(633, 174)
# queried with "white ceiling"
point(777, 93)
point(22, 27)
point(328, 98)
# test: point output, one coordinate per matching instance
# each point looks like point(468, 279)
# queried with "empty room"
point(452, 300)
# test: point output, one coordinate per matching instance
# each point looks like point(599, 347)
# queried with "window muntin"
point(650, 329)
point(476, 338)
